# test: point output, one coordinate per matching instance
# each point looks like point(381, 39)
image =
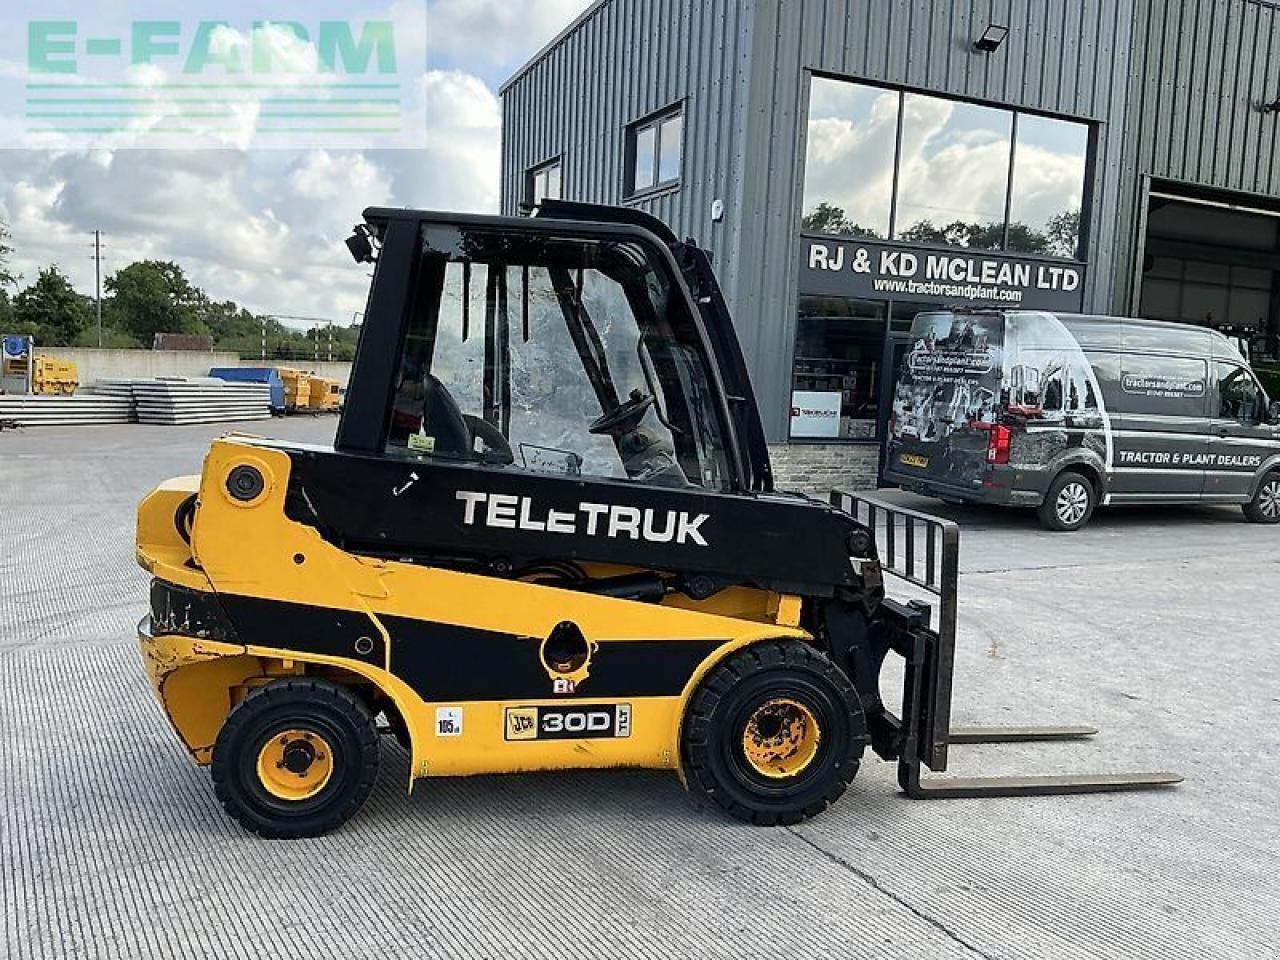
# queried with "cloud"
point(496, 32)
point(264, 228)
point(954, 166)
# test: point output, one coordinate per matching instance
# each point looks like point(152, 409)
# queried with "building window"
point(1050, 160)
point(886, 164)
point(544, 182)
point(655, 148)
point(835, 386)
point(953, 173)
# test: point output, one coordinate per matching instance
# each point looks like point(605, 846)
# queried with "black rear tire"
point(312, 730)
point(727, 724)
point(1069, 504)
point(1265, 505)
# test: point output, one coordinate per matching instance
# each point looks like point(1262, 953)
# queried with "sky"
point(266, 227)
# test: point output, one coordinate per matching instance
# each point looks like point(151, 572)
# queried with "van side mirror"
point(1273, 412)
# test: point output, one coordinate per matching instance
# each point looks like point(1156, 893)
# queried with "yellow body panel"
point(253, 550)
point(297, 388)
point(323, 394)
point(54, 376)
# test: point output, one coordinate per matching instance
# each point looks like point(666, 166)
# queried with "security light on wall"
point(991, 38)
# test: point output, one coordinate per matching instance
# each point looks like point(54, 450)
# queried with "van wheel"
point(1265, 506)
point(1069, 504)
point(296, 758)
point(774, 734)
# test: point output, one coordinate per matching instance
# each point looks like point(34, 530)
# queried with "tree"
point(112, 339)
point(977, 236)
point(954, 234)
point(7, 279)
point(51, 310)
point(1023, 239)
point(1062, 233)
point(827, 218)
point(153, 296)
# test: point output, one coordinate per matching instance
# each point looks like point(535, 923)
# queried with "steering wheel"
point(625, 418)
point(499, 450)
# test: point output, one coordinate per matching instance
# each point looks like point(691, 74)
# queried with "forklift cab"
point(564, 345)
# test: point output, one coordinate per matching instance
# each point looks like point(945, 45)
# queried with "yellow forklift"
point(545, 538)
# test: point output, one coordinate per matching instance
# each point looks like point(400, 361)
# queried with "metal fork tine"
point(1018, 734)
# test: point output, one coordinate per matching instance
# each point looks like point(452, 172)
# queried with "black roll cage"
point(398, 233)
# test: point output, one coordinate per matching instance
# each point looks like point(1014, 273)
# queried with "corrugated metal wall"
point(1172, 86)
point(626, 59)
point(1205, 68)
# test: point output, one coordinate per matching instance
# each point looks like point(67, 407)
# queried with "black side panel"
point(446, 663)
point(443, 662)
point(363, 426)
point(419, 509)
point(295, 626)
point(188, 613)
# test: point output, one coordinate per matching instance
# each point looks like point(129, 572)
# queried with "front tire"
point(296, 758)
point(1069, 504)
point(774, 734)
point(1265, 506)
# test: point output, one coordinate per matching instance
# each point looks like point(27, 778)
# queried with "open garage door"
point(1214, 259)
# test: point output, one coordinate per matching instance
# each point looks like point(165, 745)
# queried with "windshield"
point(564, 356)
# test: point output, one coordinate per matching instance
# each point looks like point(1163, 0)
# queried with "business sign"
point(815, 414)
point(951, 277)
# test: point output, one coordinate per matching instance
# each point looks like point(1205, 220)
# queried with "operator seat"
point(442, 419)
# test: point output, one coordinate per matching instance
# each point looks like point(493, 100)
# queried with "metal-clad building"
point(850, 162)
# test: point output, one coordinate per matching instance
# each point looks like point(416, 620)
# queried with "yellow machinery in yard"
point(544, 538)
point(297, 389)
point(308, 392)
point(326, 395)
point(55, 377)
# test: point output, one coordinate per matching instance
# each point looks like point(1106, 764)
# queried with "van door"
point(945, 400)
point(1159, 413)
point(1242, 438)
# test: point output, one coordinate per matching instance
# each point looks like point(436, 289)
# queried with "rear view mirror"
point(1273, 412)
point(360, 243)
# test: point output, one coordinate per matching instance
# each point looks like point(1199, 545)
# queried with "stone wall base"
point(818, 468)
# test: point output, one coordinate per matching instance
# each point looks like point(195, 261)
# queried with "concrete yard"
point(1159, 626)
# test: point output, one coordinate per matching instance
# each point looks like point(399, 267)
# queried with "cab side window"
point(1239, 396)
point(557, 356)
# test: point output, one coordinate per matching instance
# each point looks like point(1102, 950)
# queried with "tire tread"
point(346, 704)
point(699, 726)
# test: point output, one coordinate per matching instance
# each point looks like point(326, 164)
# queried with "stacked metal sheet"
point(184, 400)
point(84, 409)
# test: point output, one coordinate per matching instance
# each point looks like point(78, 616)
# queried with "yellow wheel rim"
point(295, 764)
point(781, 738)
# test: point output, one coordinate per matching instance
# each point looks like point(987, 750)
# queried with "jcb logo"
point(522, 723)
